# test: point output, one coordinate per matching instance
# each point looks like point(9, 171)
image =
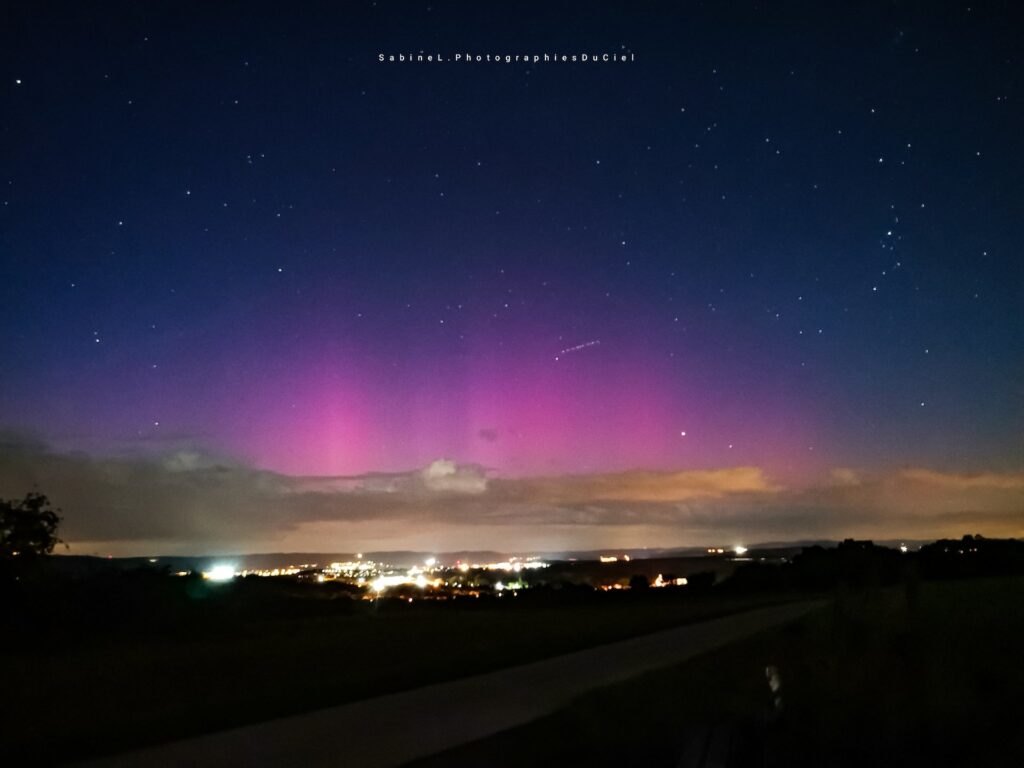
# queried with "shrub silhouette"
point(28, 528)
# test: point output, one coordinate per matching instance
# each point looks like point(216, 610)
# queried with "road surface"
point(393, 729)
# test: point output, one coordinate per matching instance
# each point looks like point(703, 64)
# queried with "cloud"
point(188, 500)
point(446, 476)
point(844, 476)
point(639, 486)
point(1013, 481)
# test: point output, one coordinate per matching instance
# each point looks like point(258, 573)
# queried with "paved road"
point(393, 729)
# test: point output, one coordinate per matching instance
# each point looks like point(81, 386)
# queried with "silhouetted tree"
point(638, 581)
point(28, 528)
point(757, 576)
point(972, 556)
point(701, 581)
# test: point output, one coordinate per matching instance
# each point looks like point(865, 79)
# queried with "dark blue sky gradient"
point(795, 231)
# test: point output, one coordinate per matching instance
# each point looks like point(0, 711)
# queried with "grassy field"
point(71, 694)
point(902, 676)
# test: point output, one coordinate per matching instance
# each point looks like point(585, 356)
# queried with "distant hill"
point(408, 558)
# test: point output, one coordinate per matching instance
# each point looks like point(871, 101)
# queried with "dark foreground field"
point(927, 674)
point(88, 681)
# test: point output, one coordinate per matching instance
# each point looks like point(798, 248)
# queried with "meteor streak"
point(577, 348)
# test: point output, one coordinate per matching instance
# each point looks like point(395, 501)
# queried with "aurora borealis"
point(782, 247)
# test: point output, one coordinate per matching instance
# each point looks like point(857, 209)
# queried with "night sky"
point(765, 280)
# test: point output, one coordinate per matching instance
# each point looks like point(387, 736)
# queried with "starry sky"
point(773, 254)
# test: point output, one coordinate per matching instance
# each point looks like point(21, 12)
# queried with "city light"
point(739, 549)
point(433, 580)
point(381, 583)
point(220, 573)
point(661, 581)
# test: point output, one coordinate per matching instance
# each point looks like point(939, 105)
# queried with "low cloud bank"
point(188, 499)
